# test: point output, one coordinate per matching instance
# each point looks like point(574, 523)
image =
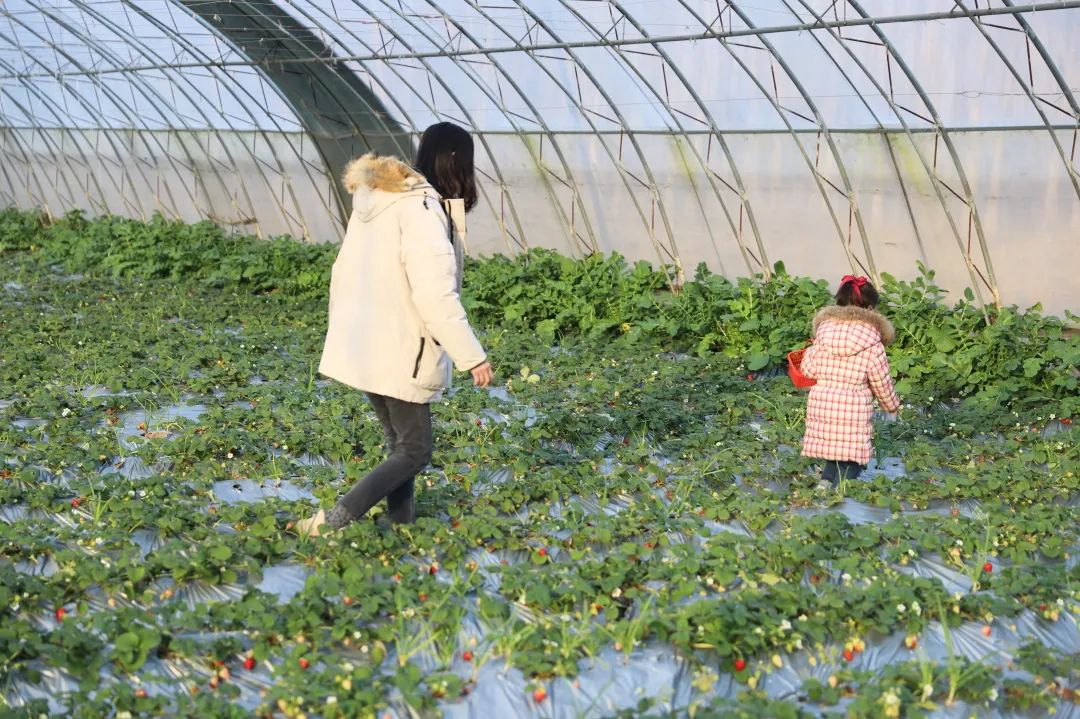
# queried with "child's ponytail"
point(857, 291)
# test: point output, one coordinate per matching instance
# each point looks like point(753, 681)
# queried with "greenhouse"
point(221, 237)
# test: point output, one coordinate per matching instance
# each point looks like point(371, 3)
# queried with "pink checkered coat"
point(848, 361)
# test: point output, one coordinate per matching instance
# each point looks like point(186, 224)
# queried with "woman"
point(396, 321)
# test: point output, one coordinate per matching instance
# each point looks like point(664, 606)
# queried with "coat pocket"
point(433, 368)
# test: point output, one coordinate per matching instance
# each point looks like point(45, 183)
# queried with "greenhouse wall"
point(270, 184)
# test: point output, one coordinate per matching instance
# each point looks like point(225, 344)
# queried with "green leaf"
point(546, 330)
point(1032, 366)
point(757, 361)
point(220, 553)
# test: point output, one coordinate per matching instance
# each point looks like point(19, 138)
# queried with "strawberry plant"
point(632, 489)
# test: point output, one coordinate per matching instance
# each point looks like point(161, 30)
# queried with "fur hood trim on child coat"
point(851, 313)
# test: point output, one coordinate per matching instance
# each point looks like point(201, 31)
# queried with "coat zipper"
point(420, 354)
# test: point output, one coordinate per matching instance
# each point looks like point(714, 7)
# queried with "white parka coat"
point(396, 322)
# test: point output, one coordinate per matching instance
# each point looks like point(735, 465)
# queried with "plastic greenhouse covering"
point(816, 133)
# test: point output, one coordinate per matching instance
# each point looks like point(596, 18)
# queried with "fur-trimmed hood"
point(386, 174)
point(852, 314)
point(376, 183)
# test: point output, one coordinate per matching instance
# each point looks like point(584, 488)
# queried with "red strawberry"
point(479, 423)
point(542, 551)
point(433, 569)
point(60, 614)
point(1066, 420)
point(76, 502)
point(140, 693)
point(466, 655)
point(304, 663)
point(749, 378)
point(423, 596)
point(988, 567)
point(740, 664)
point(848, 655)
point(986, 630)
point(539, 695)
point(347, 601)
point(249, 663)
point(1042, 607)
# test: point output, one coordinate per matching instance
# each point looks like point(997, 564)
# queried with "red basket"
point(794, 362)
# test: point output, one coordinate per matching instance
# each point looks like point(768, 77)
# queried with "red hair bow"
point(859, 282)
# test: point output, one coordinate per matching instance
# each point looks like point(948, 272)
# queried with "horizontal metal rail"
point(609, 42)
point(496, 133)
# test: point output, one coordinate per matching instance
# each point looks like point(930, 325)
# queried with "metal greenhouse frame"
point(682, 132)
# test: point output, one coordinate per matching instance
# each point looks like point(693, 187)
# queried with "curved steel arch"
point(1045, 55)
point(117, 101)
point(520, 238)
point(899, 113)
point(142, 91)
point(671, 251)
point(585, 116)
point(31, 166)
point(969, 199)
point(463, 67)
point(853, 205)
point(153, 95)
point(1029, 91)
point(570, 181)
point(342, 117)
point(740, 189)
point(415, 129)
point(781, 113)
point(229, 89)
point(93, 111)
point(869, 109)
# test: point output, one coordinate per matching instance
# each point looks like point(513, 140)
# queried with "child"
point(847, 358)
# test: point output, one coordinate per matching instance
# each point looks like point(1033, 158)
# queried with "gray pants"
point(835, 470)
point(407, 427)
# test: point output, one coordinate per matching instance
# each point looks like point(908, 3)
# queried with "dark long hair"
point(851, 294)
point(445, 158)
